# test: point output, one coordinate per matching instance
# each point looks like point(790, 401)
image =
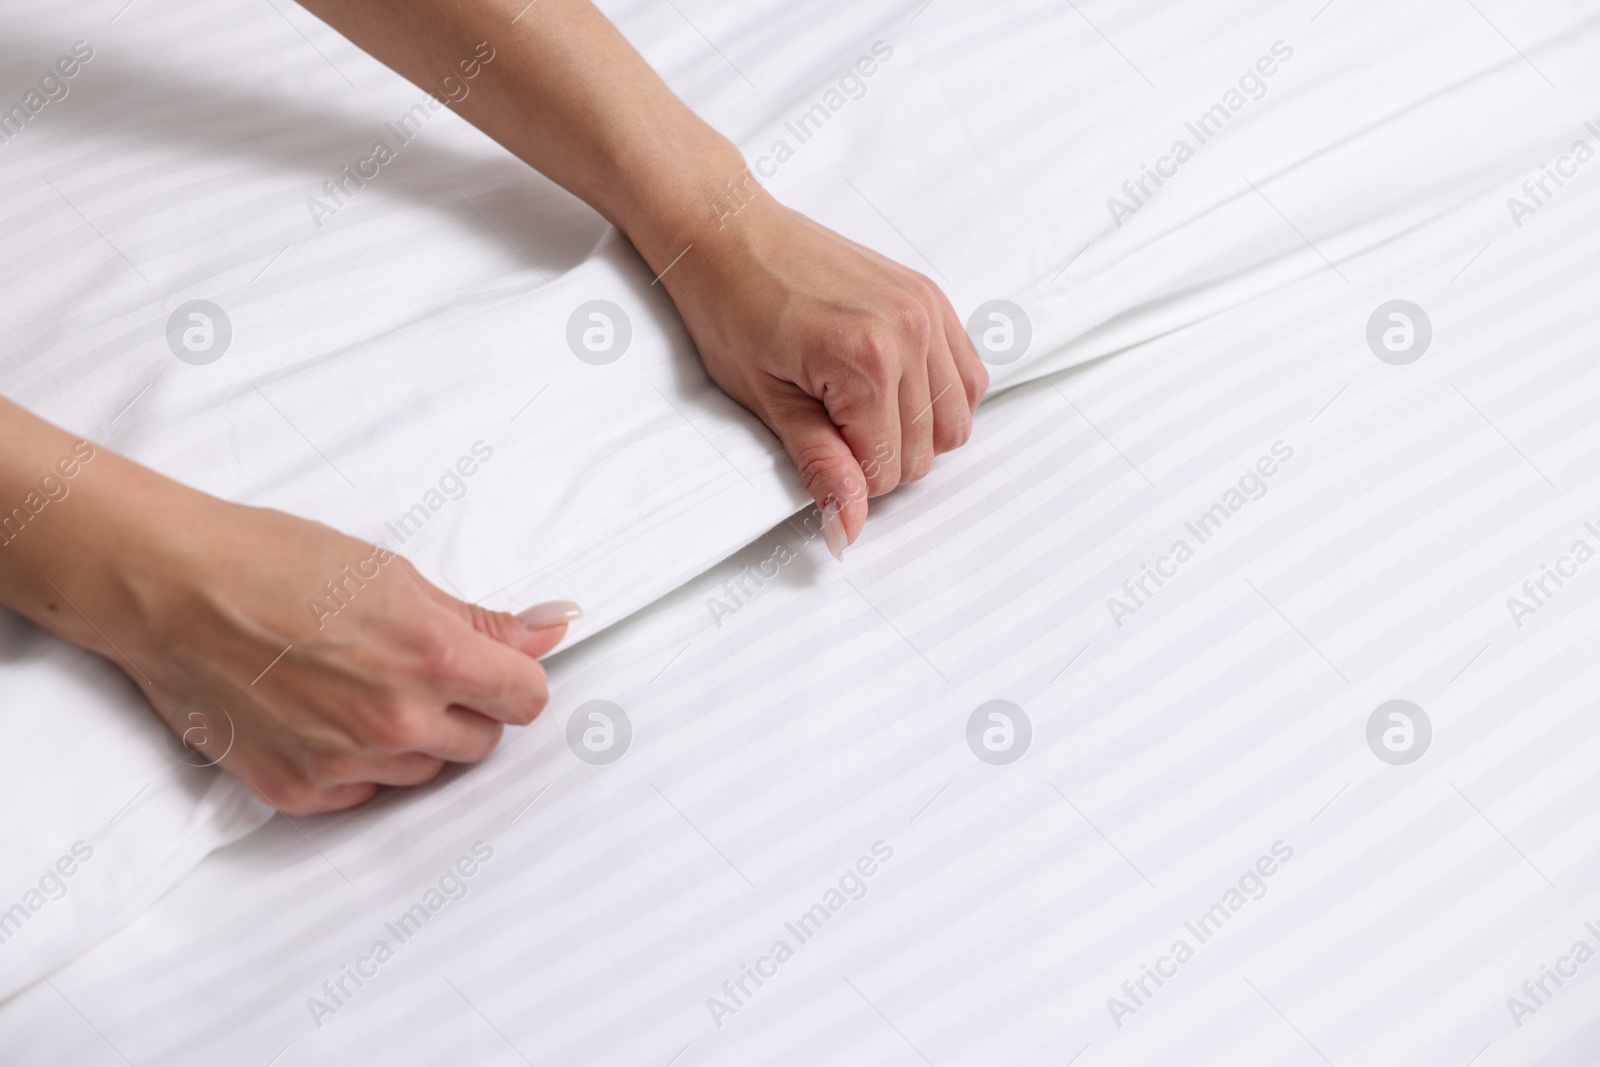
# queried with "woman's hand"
point(859, 365)
point(336, 666)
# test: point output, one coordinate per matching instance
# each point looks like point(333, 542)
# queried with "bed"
point(1207, 707)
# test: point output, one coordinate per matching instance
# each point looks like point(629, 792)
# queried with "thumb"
point(533, 633)
point(828, 469)
point(541, 627)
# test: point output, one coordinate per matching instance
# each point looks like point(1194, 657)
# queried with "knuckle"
point(438, 660)
point(882, 469)
point(885, 478)
point(392, 728)
point(293, 796)
point(884, 464)
point(871, 350)
point(815, 464)
point(912, 320)
point(496, 624)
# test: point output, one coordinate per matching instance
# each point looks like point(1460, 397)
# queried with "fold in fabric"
point(437, 320)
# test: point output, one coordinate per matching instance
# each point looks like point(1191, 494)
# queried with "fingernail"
point(833, 531)
point(550, 613)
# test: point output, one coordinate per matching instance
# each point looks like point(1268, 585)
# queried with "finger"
point(298, 798)
point(482, 665)
point(544, 625)
point(861, 395)
point(952, 414)
point(459, 735)
point(916, 421)
point(400, 768)
point(828, 467)
point(974, 375)
point(541, 628)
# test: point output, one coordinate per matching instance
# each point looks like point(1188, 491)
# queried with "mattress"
point(816, 749)
point(1053, 738)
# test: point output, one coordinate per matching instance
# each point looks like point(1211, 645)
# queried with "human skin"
point(846, 355)
point(859, 365)
point(195, 597)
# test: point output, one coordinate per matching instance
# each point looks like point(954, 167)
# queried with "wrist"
point(733, 245)
point(86, 567)
point(681, 192)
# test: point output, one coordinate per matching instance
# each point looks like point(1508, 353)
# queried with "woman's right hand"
point(337, 667)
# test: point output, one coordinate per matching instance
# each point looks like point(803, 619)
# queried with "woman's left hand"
point(858, 364)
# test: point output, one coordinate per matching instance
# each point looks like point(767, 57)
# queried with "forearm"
point(378, 680)
point(859, 365)
point(568, 95)
point(72, 516)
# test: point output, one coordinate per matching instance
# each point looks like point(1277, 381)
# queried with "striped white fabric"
point(803, 767)
point(1220, 727)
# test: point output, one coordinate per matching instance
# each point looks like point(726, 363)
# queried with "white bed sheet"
point(1225, 721)
point(984, 150)
point(428, 314)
